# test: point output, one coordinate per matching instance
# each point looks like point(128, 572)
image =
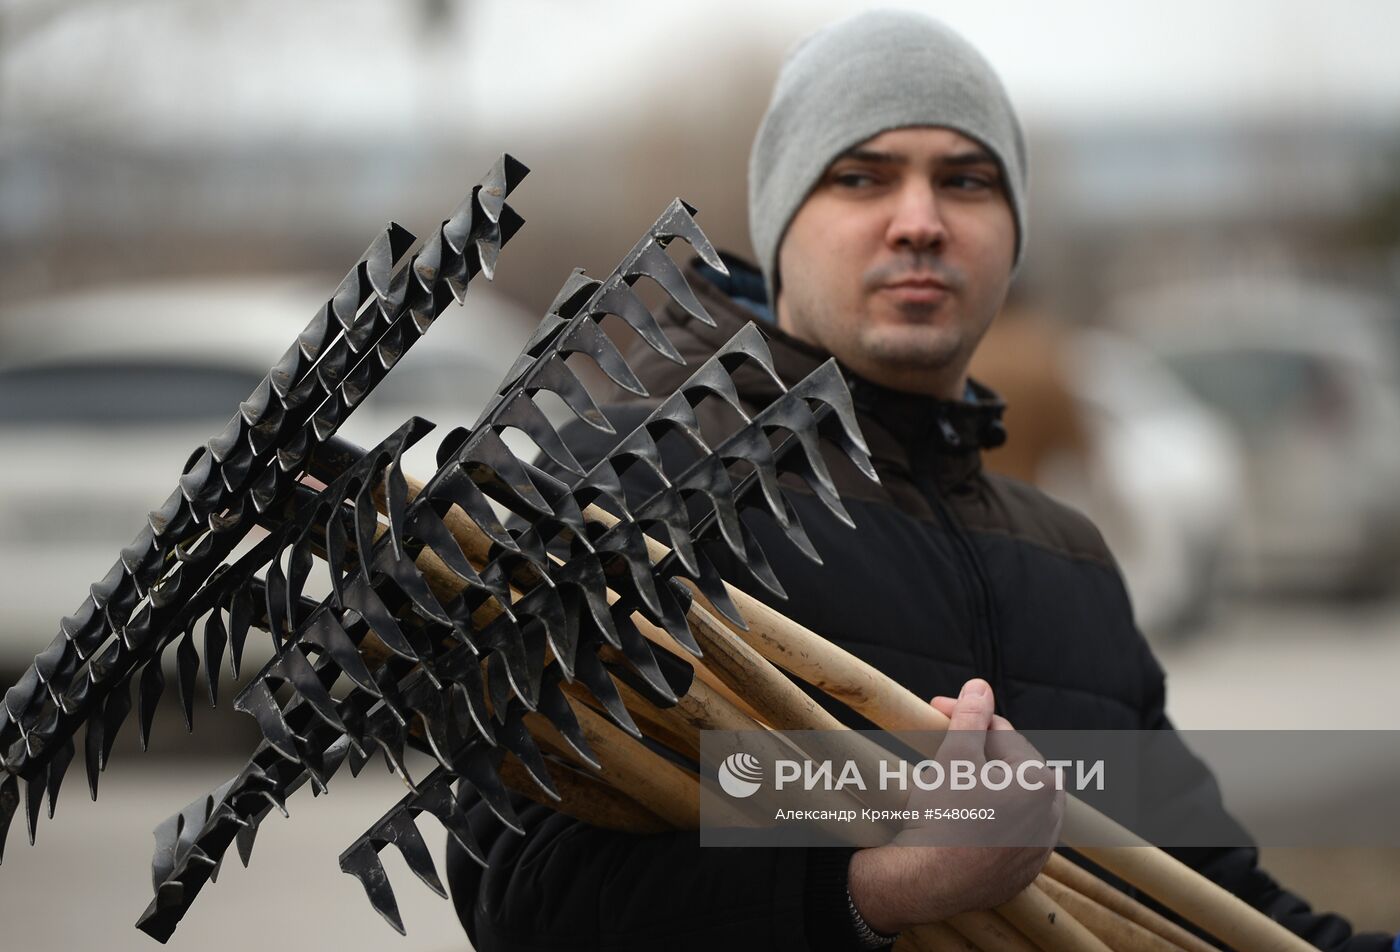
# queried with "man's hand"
point(895, 887)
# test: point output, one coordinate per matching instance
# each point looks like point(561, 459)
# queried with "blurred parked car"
point(1161, 478)
point(104, 394)
point(1307, 377)
point(1100, 422)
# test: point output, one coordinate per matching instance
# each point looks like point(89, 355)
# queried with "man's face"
point(899, 259)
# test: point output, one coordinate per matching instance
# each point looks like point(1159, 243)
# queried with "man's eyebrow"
point(875, 157)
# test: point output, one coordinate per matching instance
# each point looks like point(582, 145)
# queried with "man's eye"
point(971, 182)
point(853, 179)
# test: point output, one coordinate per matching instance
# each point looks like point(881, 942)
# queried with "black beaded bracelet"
point(869, 938)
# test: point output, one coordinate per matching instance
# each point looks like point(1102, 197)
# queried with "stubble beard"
point(917, 342)
point(912, 346)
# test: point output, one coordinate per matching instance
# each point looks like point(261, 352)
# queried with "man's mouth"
point(916, 290)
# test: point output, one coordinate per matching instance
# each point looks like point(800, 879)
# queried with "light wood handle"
point(1116, 931)
point(987, 930)
point(1086, 883)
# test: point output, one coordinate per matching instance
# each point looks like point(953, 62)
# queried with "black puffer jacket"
point(953, 572)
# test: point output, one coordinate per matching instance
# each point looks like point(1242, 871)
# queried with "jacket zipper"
point(986, 647)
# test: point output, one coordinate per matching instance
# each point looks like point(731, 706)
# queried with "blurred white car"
point(105, 393)
point(1306, 376)
point(1162, 479)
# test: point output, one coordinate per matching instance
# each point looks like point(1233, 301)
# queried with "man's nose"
point(916, 221)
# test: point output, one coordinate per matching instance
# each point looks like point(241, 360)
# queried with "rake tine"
point(678, 221)
point(545, 604)
point(751, 446)
point(677, 412)
point(458, 488)
point(438, 800)
point(323, 630)
point(114, 712)
point(618, 298)
point(487, 449)
point(366, 522)
point(403, 833)
point(816, 475)
point(464, 672)
point(479, 766)
point(92, 754)
point(516, 738)
point(33, 806)
point(256, 699)
point(151, 686)
point(396, 493)
point(714, 378)
point(756, 561)
point(215, 640)
point(428, 526)
point(275, 599)
point(557, 710)
point(435, 712)
point(670, 511)
point(587, 338)
point(293, 667)
point(362, 598)
point(827, 385)
point(362, 862)
point(521, 413)
point(337, 552)
point(299, 564)
point(713, 587)
point(405, 575)
point(594, 676)
point(555, 376)
point(240, 620)
point(186, 667)
point(603, 481)
point(793, 529)
point(58, 768)
point(710, 478)
point(645, 673)
point(654, 263)
point(585, 576)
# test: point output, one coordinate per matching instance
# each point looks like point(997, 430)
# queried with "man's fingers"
point(974, 708)
point(969, 721)
point(944, 705)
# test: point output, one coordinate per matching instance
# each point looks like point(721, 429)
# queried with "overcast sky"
point(328, 68)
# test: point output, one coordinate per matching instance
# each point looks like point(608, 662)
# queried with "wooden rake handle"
point(888, 704)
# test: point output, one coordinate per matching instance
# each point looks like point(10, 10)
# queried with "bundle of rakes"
point(529, 653)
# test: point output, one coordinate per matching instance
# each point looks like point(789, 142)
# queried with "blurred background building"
point(1202, 351)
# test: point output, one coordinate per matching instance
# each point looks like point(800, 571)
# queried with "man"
point(887, 208)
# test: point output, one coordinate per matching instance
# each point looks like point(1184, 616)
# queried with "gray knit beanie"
point(881, 70)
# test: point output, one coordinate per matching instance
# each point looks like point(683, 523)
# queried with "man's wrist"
point(870, 892)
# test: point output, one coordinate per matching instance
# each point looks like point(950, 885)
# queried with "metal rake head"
point(444, 627)
point(244, 476)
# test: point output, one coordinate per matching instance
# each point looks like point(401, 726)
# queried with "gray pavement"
point(87, 879)
point(1288, 665)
